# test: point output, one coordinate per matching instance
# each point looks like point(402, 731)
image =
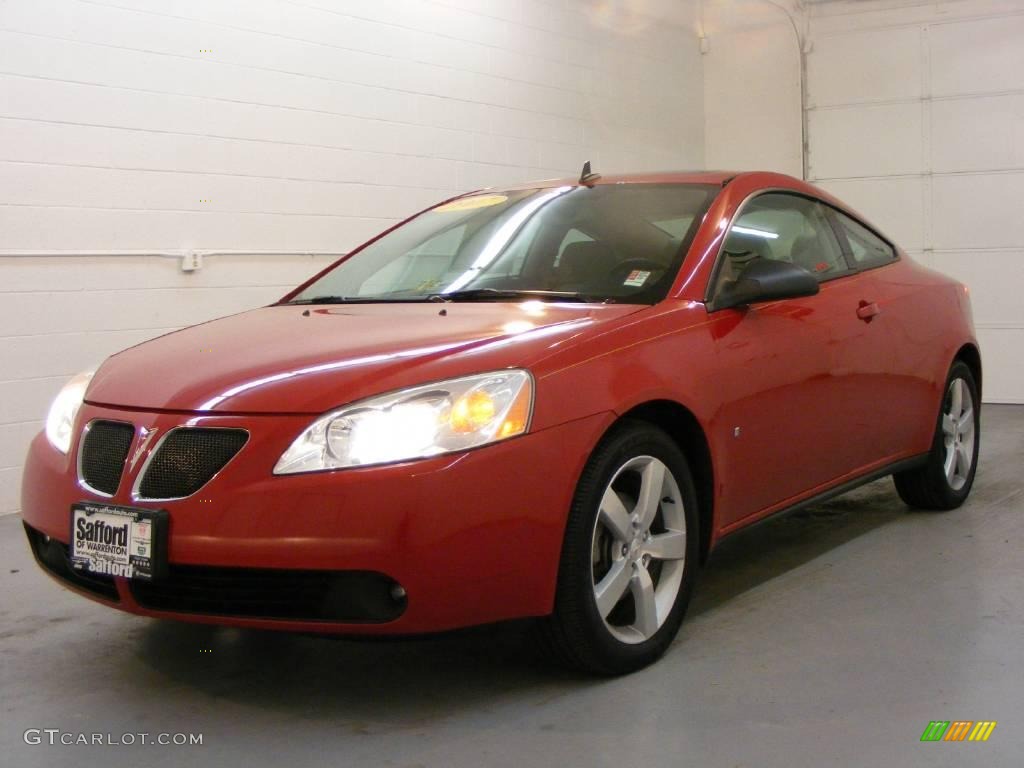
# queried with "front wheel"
point(629, 557)
point(945, 480)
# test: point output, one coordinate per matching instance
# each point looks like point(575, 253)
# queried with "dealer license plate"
point(118, 541)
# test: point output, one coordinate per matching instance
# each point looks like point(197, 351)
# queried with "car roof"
point(647, 177)
point(753, 180)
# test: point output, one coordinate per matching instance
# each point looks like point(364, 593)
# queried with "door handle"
point(868, 311)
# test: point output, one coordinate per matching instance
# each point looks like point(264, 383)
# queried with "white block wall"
point(282, 132)
point(751, 86)
point(917, 119)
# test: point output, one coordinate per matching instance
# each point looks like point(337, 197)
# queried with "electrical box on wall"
point(191, 261)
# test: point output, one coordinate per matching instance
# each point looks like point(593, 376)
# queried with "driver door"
point(784, 425)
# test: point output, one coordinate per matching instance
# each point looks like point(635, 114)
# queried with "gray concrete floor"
point(831, 637)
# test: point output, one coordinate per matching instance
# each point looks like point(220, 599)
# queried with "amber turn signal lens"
point(471, 412)
point(518, 415)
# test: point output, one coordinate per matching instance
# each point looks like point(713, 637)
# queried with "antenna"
point(587, 177)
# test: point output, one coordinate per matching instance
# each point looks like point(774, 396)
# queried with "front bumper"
point(472, 538)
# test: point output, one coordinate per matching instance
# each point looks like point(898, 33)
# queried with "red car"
point(547, 401)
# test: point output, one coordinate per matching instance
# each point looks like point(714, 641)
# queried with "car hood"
point(309, 359)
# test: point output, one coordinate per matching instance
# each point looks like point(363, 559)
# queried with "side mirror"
point(766, 280)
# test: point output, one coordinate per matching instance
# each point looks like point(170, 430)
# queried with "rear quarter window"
point(867, 248)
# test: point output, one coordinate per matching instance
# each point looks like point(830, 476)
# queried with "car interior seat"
point(585, 264)
point(808, 252)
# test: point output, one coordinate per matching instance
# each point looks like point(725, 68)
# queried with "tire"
point(622, 539)
point(939, 484)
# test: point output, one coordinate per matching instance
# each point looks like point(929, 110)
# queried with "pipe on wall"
point(801, 39)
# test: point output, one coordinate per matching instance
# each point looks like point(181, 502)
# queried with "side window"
point(572, 236)
point(867, 248)
point(783, 227)
point(675, 228)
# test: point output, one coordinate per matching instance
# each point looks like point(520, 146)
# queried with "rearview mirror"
point(766, 280)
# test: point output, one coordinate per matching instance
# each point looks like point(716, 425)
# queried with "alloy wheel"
point(958, 433)
point(638, 549)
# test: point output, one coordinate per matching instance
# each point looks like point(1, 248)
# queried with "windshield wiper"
point(349, 300)
point(501, 294)
point(469, 294)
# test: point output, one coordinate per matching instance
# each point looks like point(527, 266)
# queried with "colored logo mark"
point(958, 730)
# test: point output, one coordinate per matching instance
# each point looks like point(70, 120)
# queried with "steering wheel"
point(620, 272)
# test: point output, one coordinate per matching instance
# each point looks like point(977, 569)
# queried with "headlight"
point(415, 423)
point(61, 418)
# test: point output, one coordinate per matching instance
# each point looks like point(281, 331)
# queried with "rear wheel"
point(945, 480)
point(629, 555)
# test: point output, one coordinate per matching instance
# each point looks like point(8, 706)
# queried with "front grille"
point(187, 459)
point(55, 558)
point(102, 454)
point(348, 596)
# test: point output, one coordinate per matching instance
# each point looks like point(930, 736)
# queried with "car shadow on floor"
point(766, 550)
point(364, 685)
point(409, 682)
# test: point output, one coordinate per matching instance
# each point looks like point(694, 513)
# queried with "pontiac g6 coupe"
point(549, 401)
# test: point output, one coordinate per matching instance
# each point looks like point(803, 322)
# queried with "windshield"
point(614, 242)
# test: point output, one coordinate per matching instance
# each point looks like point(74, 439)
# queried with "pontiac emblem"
point(145, 437)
